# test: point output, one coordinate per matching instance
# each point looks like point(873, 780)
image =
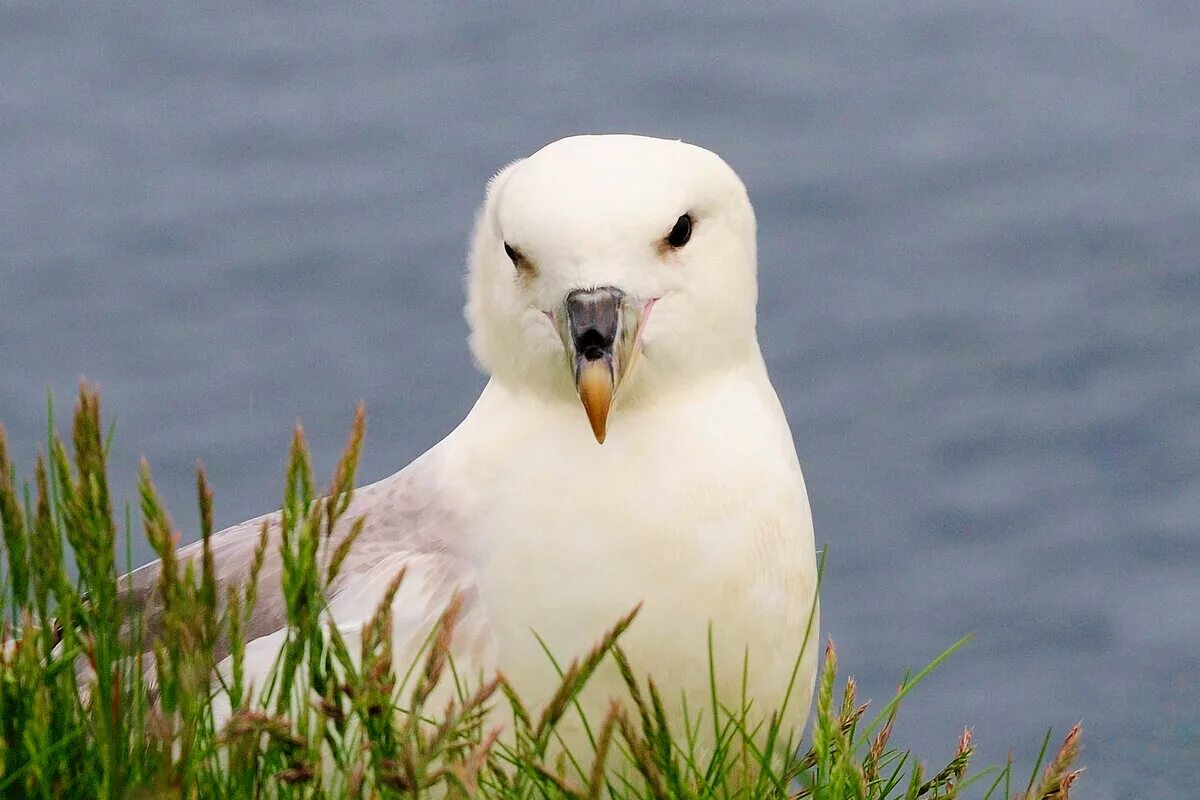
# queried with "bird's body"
point(693, 506)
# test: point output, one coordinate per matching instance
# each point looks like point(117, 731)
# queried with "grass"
point(95, 702)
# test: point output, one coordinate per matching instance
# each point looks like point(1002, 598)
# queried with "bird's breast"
point(698, 514)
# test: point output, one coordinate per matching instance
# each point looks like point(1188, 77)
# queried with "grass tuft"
point(101, 698)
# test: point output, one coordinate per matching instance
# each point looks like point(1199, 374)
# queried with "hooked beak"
point(600, 334)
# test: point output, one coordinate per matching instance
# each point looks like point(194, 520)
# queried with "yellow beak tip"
point(596, 392)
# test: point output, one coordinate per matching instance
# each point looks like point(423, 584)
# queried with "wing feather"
point(409, 518)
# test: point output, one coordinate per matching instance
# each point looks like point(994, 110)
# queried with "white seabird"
point(628, 448)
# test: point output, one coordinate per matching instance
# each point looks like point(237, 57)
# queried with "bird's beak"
point(600, 334)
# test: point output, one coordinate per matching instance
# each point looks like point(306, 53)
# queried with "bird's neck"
point(718, 410)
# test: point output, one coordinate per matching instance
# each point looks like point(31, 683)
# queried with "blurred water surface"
point(979, 238)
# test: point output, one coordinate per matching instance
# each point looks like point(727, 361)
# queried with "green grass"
point(92, 704)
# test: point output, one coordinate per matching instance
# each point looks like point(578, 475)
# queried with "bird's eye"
point(682, 231)
point(512, 253)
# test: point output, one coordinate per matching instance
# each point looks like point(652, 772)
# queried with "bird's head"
point(601, 254)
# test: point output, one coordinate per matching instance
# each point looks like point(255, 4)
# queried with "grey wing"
point(407, 515)
point(233, 553)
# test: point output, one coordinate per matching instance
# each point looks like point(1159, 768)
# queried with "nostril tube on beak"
point(594, 317)
point(592, 344)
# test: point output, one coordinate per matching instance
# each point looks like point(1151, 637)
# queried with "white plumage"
point(694, 505)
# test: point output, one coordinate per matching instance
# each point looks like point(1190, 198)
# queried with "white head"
point(598, 248)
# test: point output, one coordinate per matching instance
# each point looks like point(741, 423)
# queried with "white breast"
point(695, 508)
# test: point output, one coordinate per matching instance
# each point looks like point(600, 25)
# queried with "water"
point(979, 238)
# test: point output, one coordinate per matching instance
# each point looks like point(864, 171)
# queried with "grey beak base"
point(594, 320)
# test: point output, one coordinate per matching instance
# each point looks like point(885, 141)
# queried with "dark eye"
point(512, 253)
point(682, 231)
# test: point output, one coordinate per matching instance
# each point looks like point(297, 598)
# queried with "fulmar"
point(628, 449)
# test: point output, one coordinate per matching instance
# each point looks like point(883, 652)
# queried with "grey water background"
point(979, 237)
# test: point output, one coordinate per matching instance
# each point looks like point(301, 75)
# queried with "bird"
point(628, 450)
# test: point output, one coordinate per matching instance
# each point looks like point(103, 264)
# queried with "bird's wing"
point(409, 521)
